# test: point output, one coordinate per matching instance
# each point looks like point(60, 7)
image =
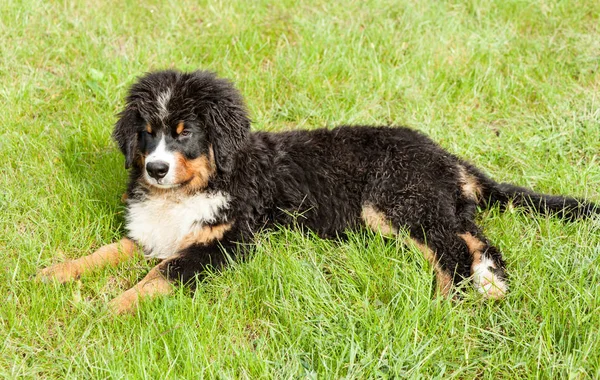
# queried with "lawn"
point(513, 86)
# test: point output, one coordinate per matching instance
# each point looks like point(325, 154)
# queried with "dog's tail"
point(503, 194)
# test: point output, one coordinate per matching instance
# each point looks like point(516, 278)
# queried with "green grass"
point(510, 85)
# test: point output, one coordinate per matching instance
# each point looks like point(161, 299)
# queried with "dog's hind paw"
point(487, 282)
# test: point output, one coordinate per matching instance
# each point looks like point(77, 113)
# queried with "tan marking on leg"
point(179, 128)
point(469, 184)
point(205, 235)
point(377, 221)
point(124, 198)
point(195, 173)
point(152, 285)
point(111, 254)
point(484, 280)
point(475, 246)
point(443, 279)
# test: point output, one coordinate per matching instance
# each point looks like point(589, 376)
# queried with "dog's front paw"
point(62, 272)
point(126, 303)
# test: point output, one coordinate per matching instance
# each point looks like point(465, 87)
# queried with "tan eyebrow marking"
point(179, 128)
point(148, 128)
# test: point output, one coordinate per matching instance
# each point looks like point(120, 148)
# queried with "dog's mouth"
point(165, 186)
point(161, 183)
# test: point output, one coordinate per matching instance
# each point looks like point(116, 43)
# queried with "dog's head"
point(181, 128)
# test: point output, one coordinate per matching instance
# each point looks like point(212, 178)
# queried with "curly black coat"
point(326, 180)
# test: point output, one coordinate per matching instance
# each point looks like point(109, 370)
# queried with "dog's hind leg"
point(448, 239)
point(447, 253)
point(111, 254)
point(439, 252)
point(464, 255)
point(487, 269)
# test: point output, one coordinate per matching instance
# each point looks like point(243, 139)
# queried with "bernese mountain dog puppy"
point(202, 185)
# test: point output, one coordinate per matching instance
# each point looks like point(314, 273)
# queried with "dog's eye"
point(145, 133)
point(185, 133)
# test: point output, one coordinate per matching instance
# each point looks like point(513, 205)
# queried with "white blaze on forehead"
point(162, 100)
point(162, 154)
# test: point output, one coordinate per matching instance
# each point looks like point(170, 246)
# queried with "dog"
point(202, 185)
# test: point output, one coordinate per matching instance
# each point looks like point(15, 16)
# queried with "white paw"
point(486, 281)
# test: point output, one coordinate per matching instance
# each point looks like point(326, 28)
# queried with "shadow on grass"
point(96, 170)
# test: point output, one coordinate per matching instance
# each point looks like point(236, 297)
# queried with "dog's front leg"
point(203, 248)
point(184, 268)
point(111, 254)
point(155, 283)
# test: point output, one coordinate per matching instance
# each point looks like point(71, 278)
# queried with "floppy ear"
point(125, 134)
point(228, 128)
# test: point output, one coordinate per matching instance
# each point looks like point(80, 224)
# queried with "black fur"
point(320, 179)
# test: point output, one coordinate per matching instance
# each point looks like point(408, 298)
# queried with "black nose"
point(157, 169)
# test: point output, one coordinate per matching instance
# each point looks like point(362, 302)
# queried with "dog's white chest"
point(161, 222)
